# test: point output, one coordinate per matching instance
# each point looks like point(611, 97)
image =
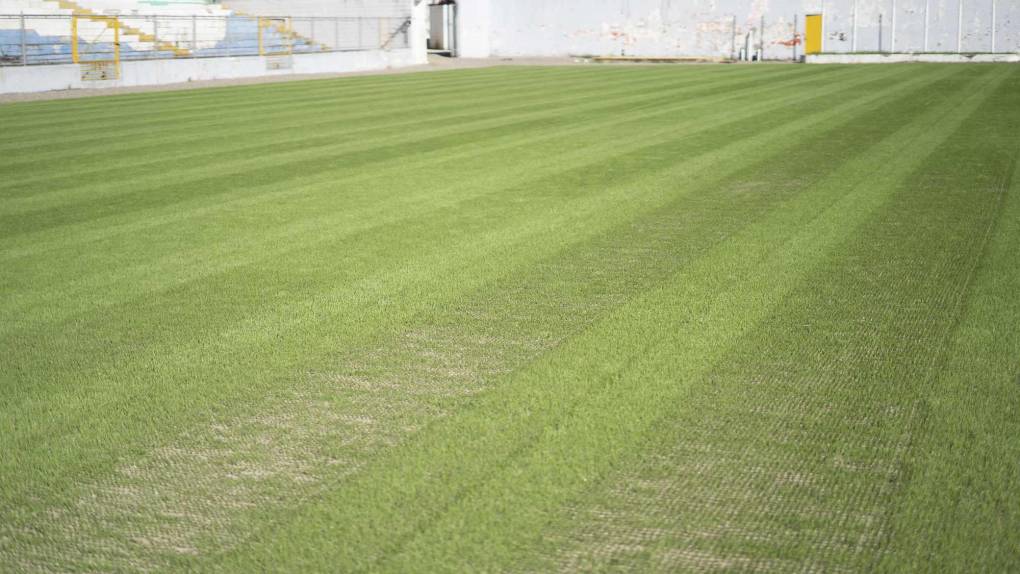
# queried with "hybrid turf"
point(755, 318)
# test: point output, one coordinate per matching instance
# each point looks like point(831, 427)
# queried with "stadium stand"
point(147, 31)
point(69, 44)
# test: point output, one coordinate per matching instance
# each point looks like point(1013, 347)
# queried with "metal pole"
point(311, 22)
point(361, 26)
point(24, 54)
point(116, 44)
point(795, 37)
point(853, 33)
point(155, 35)
point(926, 2)
point(259, 27)
point(992, 28)
point(880, 32)
point(959, 28)
point(194, 35)
point(892, 41)
point(227, 33)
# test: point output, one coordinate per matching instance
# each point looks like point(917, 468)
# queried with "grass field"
point(647, 318)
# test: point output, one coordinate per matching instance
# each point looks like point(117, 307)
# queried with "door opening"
point(813, 34)
point(443, 28)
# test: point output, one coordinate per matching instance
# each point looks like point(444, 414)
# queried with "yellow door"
point(813, 34)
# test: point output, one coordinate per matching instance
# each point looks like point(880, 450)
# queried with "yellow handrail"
point(74, 39)
point(116, 44)
point(262, 51)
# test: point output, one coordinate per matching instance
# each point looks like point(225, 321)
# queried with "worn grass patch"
point(573, 319)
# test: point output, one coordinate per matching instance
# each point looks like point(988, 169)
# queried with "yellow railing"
point(112, 22)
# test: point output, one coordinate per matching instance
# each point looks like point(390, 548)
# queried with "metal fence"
point(60, 39)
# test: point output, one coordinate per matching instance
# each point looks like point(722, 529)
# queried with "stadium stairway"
point(221, 32)
point(300, 42)
point(125, 28)
point(47, 40)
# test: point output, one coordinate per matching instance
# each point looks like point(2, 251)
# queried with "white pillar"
point(959, 28)
point(761, 40)
point(419, 32)
point(733, 39)
point(853, 32)
point(993, 26)
point(892, 41)
point(926, 2)
point(822, 12)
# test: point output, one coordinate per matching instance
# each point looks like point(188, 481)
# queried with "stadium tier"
point(41, 31)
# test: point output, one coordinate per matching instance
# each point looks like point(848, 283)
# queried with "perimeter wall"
point(718, 28)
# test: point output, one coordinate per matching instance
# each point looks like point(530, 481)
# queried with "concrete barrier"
point(904, 58)
point(25, 79)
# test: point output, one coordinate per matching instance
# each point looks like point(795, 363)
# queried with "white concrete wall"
point(345, 33)
point(157, 72)
point(905, 58)
point(419, 33)
point(475, 28)
point(706, 27)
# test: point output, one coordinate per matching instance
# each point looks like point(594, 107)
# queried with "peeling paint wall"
point(717, 28)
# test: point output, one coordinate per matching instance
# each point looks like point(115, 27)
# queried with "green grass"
point(516, 319)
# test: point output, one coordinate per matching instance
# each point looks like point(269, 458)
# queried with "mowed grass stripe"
point(250, 125)
point(83, 255)
point(59, 108)
point(278, 94)
point(185, 358)
point(273, 365)
point(554, 183)
point(777, 120)
point(509, 422)
point(392, 131)
point(797, 435)
point(189, 127)
point(957, 506)
point(267, 95)
point(87, 265)
point(100, 124)
point(405, 113)
point(324, 157)
point(614, 402)
point(261, 100)
point(115, 128)
point(84, 377)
